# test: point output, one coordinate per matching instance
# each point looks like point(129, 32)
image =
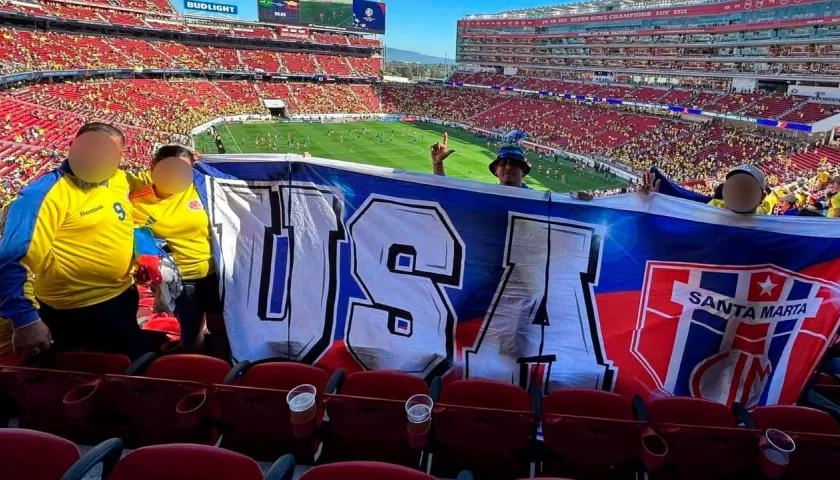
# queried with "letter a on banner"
point(541, 328)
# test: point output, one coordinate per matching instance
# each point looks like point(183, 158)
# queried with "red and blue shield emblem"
point(751, 335)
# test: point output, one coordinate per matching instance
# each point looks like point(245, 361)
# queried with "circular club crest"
point(195, 205)
point(368, 12)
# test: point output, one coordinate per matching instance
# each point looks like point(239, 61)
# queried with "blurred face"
point(172, 175)
point(509, 173)
point(94, 156)
point(742, 193)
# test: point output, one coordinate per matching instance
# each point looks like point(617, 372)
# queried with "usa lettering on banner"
point(362, 268)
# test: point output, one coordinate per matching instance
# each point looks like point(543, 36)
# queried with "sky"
point(423, 26)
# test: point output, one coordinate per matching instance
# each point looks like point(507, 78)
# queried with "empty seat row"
point(29, 454)
point(493, 429)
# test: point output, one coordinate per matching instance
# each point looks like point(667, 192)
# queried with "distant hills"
point(397, 55)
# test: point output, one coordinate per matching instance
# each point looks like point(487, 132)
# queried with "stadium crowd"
point(34, 50)
point(36, 118)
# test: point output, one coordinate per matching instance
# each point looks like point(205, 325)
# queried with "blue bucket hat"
point(511, 153)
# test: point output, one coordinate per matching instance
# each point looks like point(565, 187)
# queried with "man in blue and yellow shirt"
point(66, 254)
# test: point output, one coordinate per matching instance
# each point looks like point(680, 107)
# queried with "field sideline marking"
point(233, 138)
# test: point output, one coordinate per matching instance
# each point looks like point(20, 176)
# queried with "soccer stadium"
point(236, 249)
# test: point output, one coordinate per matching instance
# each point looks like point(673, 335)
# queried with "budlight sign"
point(211, 7)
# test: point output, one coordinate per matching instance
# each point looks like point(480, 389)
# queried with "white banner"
point(830, 94)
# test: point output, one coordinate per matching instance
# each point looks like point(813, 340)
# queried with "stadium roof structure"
point(581, 8)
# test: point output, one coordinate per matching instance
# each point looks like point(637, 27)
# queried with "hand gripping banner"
point(361, 267)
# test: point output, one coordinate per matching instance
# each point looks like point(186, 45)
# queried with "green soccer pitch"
point(398, 150)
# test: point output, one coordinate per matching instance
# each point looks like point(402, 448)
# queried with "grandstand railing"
point(122, 72)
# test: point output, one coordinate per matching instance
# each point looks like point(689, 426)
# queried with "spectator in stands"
point(67, 244)
point(789, 205)
point(743, 190)
point(509, 166)
point(172, 208)
point(834, 200)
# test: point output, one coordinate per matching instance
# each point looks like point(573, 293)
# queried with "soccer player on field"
point(67, 253)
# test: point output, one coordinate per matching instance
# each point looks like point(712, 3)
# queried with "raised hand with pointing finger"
point(439, 153)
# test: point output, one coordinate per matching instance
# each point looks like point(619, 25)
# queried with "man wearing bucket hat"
point(509, 166)
point(743, 191)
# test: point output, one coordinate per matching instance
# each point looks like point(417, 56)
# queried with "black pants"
point(110, 326)
point(199, 298)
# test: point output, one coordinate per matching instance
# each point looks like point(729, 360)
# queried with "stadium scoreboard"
point(355, 15)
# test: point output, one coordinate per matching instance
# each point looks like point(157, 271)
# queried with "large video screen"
point(357, 15)
point(279, 11)
point(328, 13)
point(369, 16)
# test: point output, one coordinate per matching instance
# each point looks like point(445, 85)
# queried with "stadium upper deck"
point(791, 39)
point(156, 16)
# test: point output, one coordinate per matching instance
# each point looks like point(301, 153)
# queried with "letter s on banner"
point(403, 252)
point(538, 333)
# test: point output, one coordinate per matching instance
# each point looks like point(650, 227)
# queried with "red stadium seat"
point(29, 454)
point(703, 439)
point(185, 462)
point(372, 398)
point(255, 415)
point(816, 434)
point(790, 418)
point(483, 426)
point(89, 362)
point(690, 411)
point(47, 399)
point(589, 434)
point(170, 403)
point(369, 471)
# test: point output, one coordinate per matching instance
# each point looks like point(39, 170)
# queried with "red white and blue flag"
point(359, 267)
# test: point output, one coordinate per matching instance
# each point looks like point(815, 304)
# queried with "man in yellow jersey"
point(66, 254)
point(834, 201)
point(171, 207)
point(743, 190)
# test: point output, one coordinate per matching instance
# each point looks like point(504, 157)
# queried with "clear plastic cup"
point(419, 411)
point(776, 447)
point(302, 409)
point(780, 440)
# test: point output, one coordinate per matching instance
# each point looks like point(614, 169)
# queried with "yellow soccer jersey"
point(183, 223)
point(761, 210)
point(74, 241)
point(834, 206)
